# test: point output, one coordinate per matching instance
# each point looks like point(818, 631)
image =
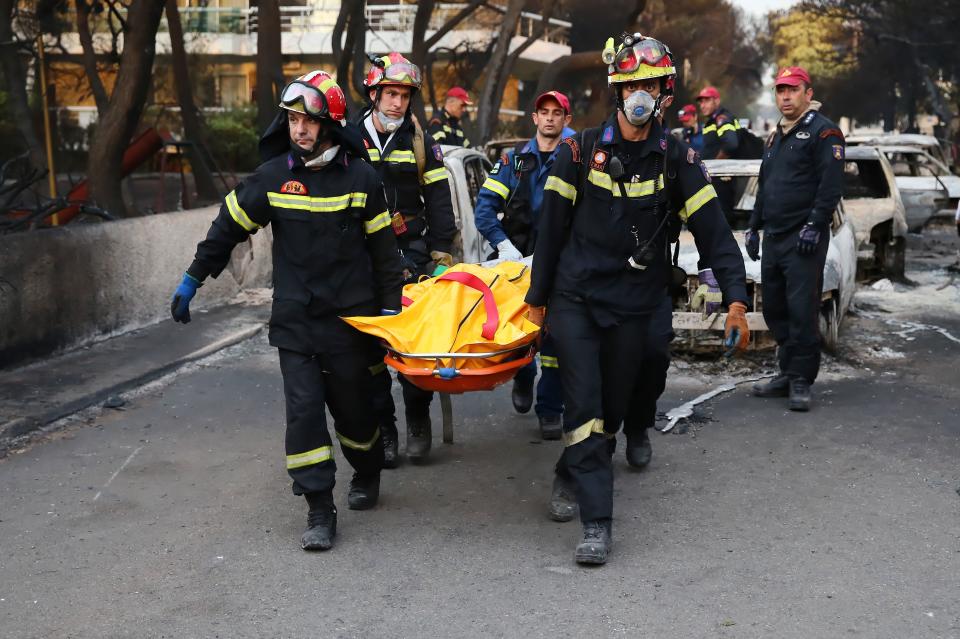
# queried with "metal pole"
point(52, 174)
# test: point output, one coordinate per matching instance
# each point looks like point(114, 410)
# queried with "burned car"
point(926, 185)
point(468, 168)
point(700, 329)
point(872, 202)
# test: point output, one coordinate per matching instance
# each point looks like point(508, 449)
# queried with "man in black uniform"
point(445, 127)
point(801, 181)
point(600, 270)
point(333, 255)
point(720, 127)
point(418, 196)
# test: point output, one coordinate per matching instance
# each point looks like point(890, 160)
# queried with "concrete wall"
point(63, 287)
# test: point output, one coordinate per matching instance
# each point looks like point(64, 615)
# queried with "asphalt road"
point(173, 517)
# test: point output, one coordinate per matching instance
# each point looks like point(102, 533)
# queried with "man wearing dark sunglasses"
point(417, 192)
point(614, 200)
point(333, 255)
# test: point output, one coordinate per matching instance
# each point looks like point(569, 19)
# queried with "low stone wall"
point(63, 287)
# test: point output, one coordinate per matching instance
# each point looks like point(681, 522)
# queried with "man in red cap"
point(445, 127)
point(690, 133)
point(719, 128)
point(801, 181)
point(515, 188)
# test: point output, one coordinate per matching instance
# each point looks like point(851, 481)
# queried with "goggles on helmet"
point(639, 51)
point(403, 73)
point(314, 103)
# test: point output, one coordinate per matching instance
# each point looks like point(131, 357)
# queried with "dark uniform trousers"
point(549, 390)
point(340, 377)
point(652, 377)
point(600, 370)
point(791, 286)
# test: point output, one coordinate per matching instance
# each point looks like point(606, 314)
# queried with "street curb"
point(21, 426)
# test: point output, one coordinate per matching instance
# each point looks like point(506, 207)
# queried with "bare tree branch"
point(90, 56)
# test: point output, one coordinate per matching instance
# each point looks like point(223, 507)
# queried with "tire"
point(830, 326)
point(892, 258)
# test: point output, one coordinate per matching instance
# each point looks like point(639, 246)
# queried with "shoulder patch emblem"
point(599, 160)
point(607, 135)
point(366, 143)
point(496, 168)
point(837, 151)
point(574, 149)
point(721, 119)
point(663, 143)
point(803, 135)
point(826, 133)
point(810, 117)
point(706, 173)
point(294, 188)
point(438, 152)
point(692, 156)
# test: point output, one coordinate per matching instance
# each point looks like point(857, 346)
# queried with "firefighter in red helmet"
point(334, 254)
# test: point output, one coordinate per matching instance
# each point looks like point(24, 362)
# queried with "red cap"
point(460, 93)
point(688, 112)
point(556, 95)
point(709, 92)
point(792, 77)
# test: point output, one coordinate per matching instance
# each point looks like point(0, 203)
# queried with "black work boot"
point(596, 544)
point(391, 445)
point(522, 395)
point(321, 522)
point(364, 491)
point(779, 386)
point(550, 427)
point(419, 436)
point(799, 394)
point(639, 450)
point(563, 500)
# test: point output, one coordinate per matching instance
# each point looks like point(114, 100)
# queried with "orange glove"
point(736, 333)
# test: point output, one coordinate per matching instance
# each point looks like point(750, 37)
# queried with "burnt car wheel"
point(830, 325)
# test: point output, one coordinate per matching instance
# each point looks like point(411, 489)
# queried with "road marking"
point(117, 472)
point(911, 327)
point(674, 415)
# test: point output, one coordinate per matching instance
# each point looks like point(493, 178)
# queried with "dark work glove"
point(180, 304)
point(752, 243)
point(808, 239)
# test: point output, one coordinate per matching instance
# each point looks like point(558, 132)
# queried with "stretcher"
point(463, 331)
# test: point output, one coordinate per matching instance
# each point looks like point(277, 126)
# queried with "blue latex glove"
point(808, 239)
point(752, 244)
point(180, 304)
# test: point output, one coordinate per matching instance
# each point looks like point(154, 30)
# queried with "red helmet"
point(315, 94)
point(639, 57)
point(393, 69)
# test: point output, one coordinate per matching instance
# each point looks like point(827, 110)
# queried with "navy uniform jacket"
point(720, 134)
point(801, 178)
point(588, 229)
point(502, 185)
point(334, 252)
point(424, 202)
point(446, 129)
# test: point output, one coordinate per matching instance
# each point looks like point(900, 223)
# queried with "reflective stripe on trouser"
point(341, 382)
point(599, 370)
point(652, 376)
point(549, 388)
point(791, 285)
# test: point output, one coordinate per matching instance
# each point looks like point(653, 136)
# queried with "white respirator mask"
point(324, 158)
point(639, 107)
point(389, 124)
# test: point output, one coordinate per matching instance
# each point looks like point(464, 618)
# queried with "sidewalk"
point(40, 393)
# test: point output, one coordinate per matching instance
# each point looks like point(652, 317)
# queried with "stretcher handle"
point(489, 303)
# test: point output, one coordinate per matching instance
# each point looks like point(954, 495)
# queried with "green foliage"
point(821, 44)
point(233, 138)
